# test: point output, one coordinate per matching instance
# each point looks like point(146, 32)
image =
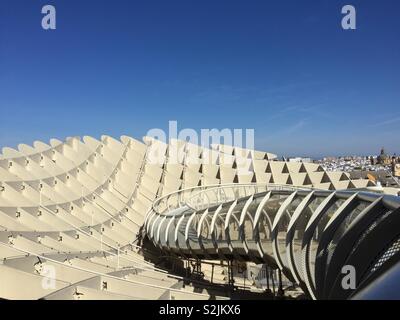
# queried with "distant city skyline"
point(373, 154)
point(283, 68)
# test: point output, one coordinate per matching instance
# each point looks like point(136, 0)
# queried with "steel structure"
point(316, 237)
point(71, 213)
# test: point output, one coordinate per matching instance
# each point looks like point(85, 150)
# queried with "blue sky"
point(285, 68)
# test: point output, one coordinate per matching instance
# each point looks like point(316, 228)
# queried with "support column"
point(280, 290)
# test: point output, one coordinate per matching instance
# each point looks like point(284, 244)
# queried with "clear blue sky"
point(285, 68)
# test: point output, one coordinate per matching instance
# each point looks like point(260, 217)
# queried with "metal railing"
point(226, 193)
point(199, 197)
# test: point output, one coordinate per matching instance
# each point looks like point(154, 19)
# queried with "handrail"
point(156, 204)
point(236, 188)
